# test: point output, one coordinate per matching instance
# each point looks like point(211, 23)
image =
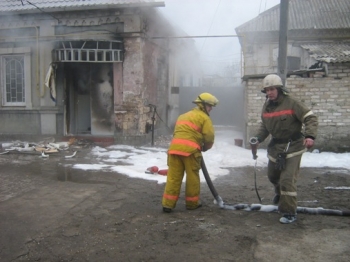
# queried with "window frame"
point(26, 53)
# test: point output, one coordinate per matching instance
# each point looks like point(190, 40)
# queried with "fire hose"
point(265, 208)
point(218, 198)
point(254, 146)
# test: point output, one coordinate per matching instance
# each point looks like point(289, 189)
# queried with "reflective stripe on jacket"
point(192, 130)
point(284, 119)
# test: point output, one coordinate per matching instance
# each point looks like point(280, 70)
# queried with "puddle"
point(64, 174)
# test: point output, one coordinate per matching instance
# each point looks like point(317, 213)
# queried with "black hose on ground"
point(266, 208)
point(210, 184)
point(300, 210)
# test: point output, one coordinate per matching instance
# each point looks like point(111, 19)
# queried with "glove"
point(206, 146)
point(281, 161)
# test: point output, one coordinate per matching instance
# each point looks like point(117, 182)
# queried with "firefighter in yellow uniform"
point(193, 133)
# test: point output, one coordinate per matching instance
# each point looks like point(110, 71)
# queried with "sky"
point(134, 161)
point(213, 18)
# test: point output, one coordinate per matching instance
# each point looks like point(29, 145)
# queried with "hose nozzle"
point(253, 141)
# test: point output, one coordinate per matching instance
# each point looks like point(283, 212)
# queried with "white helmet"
point(271, 80)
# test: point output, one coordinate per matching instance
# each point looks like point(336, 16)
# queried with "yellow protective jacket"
point(193, 132)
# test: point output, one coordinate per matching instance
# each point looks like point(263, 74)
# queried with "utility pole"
point(283, 40)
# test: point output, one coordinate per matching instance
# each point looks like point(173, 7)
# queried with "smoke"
point(214, 18)
point(229, 111)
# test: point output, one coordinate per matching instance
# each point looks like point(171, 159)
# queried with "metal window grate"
point(89, 51)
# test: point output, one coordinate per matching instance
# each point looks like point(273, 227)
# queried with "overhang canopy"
point(101, 51)
point(329, 52)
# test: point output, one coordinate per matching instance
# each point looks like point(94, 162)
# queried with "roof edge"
point(82, 8)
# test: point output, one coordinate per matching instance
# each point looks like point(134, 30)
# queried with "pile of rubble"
point(45, 148)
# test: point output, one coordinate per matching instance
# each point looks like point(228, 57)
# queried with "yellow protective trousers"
point(284, 182)
point(178, 165)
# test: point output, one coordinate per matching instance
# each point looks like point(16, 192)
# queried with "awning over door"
point(89, 51)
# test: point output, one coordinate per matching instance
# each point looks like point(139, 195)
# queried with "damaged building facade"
point(318, 64)
point(89, 69)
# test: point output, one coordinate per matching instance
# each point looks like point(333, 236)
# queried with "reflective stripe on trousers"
point(285, 183)
point(178, 165)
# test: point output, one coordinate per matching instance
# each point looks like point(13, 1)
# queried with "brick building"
point(318, 63)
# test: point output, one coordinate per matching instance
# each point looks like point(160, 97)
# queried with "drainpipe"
point(38, 65)
point(283, 40)
point(153, 119)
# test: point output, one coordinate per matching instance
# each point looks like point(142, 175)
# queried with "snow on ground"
point(133, 161)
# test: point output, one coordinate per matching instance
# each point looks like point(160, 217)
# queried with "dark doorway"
point(89, 98)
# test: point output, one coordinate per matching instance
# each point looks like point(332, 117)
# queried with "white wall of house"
point(262, 58)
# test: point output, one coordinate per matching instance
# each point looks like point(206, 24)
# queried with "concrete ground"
point(52, 212)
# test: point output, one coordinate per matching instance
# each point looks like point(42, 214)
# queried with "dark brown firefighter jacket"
point(286, 119)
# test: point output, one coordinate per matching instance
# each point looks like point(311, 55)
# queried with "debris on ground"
point(46, 147)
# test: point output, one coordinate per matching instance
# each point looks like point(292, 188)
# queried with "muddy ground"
point(51, 212)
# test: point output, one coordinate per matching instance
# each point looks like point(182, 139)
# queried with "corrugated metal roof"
point(329, 52)
point(303, 14)
point(23, 6)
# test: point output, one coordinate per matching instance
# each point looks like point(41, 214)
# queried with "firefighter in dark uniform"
point(194, 133)
point(293, 129)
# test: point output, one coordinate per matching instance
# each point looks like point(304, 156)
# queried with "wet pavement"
point(50, 211)
point(25, 171)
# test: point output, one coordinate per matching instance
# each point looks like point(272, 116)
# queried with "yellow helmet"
point(206, 98)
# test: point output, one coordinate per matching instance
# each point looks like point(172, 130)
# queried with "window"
point(14, 89)
point(293, 63)
point(15, 78)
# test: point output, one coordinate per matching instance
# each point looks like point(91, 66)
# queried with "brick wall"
point(328, 97)
point(339, 70)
